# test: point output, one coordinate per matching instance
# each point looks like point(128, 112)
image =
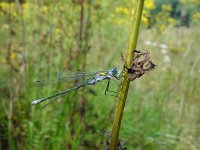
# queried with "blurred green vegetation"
point(40, 38)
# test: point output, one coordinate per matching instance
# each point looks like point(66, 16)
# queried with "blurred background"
point(39, 38)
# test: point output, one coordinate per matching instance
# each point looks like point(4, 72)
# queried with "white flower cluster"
point(163, 49)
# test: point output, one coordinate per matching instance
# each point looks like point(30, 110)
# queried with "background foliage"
point(41, 38)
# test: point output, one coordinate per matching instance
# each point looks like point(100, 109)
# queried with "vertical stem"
point(24, 73)
point(10, 84)
point(81, 24)
point(85, 49)
point(88, 24)
point(125, 83)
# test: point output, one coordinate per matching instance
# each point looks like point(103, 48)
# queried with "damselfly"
point(89, 79)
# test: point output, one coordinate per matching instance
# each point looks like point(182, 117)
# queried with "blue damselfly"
point(88, 79)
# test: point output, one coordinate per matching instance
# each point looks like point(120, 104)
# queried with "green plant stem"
point(125, 83)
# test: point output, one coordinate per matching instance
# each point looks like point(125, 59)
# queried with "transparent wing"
point(65, 76)
point(60, 94)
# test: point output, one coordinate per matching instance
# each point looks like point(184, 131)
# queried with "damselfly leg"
point(107, 90)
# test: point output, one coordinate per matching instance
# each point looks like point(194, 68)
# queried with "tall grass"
point(162, 110)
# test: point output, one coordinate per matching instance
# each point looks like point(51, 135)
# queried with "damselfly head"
point(113, 71)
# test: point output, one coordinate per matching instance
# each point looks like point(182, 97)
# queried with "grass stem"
point(125, 83)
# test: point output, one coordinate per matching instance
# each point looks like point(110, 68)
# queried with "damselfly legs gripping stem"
point(139, 66)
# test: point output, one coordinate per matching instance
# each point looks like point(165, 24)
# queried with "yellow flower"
point(122, 10)
point(11, 8)
point(4, 6)
point(26, 6)
point(167, 7)
point(13, 55)
point(145, 20)
point(171, 21)
point(44, 9)
point(59, 30)
point(162, 28)
point(196, 16)
point(149, 4)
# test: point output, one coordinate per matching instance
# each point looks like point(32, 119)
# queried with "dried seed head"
point(140, 65)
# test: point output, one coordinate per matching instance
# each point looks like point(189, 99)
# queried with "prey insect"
point(89, 79)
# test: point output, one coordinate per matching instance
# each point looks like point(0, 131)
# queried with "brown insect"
point(140, 64)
